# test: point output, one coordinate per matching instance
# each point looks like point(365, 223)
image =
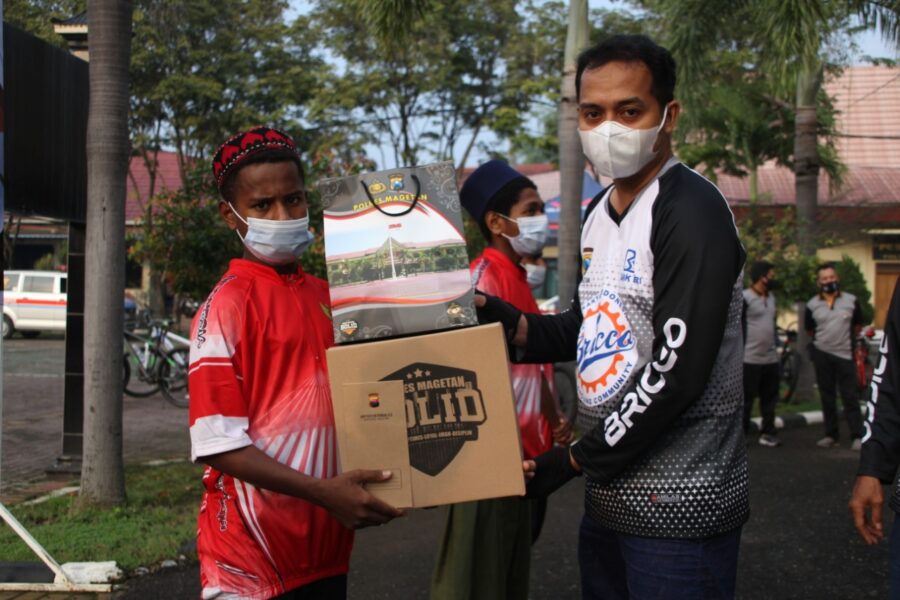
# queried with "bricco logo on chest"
point(606, 349)
point(444, 410)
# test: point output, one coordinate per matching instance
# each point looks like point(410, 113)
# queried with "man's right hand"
point(346, 498)
point(491, 309)
point(867, 496)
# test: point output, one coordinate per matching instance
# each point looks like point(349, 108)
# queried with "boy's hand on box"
point(491, 309)
point(553, 469)
point(346, 498)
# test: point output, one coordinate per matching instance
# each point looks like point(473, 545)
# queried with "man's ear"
point(672, 117)
point(227, 214)
point(494, 222)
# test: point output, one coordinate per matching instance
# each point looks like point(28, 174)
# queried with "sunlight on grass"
point(158, 519)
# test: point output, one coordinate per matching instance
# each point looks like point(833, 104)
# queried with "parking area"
point(33, 410)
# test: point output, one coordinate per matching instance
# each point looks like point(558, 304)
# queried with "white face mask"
point(276, 242)
point(618, 151)
point(532, 234)
point(535, 274)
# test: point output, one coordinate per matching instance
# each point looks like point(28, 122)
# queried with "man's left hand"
point(867, 496)
point(552, 469)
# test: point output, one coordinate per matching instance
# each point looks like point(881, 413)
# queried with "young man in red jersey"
point(486, 548)
point(276, 516)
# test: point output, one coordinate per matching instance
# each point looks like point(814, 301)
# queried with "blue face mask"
point(276, 242)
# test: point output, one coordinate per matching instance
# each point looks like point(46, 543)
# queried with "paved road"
point(33, 408)
point(798, 544)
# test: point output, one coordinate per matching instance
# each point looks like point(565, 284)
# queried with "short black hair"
point(759, 270)
point(632, 48)
point(271, 155)
point(503, 201)
point(825, 265)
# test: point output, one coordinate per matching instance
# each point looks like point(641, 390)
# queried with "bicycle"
point(156, 363)
point(788, 363)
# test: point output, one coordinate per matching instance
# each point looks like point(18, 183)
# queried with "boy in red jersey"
point(276, 514)
point(486, 549)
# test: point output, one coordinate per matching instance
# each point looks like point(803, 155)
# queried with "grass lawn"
point(158, 519)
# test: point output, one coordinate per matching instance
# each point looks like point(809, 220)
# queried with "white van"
point(33, 301)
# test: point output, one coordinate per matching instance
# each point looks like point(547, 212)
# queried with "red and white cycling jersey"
point(495, 274)
point(258, 376)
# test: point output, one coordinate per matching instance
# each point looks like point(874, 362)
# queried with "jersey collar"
point(255, 269)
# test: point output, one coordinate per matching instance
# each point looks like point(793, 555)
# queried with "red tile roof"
point(863, 186)
point(528, 170)
point(867, 99)
point(168, 179)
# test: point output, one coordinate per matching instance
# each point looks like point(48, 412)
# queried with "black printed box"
point(462, 434)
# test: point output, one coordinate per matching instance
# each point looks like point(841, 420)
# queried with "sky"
point(869, 44)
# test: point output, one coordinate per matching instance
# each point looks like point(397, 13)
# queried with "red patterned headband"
point(238, 147)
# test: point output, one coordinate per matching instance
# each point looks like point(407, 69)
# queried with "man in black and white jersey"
point(880, 454)
point(656, 332)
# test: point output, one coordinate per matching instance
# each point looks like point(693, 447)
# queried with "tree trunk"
point(102, 474)
point(571, 159)
point(806, 185)
point(806, 158)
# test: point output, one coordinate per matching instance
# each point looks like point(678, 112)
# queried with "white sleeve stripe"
point(300, 451)
point(217, 433)
point(286, 452)
point(206, 360)
point(212, 346)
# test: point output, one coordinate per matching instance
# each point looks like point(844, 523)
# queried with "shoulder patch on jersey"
point(204, 313)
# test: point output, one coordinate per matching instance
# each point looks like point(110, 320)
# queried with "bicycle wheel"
point(138, 382)
point(173, 377)
point(790, 373)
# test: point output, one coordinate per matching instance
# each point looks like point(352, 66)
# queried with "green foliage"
point(202, 70)
point(463, 68)
point(853, 281)
point(475, 242)
point(159, 517)
point(36, 16)
point(186, 239)
point(773, 239)
point(53, 261)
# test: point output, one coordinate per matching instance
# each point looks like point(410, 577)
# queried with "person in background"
point(834, 319)
point(276, 516)
point(760, 356)
point(535, 272)
point(880, 455)
point(485, 551)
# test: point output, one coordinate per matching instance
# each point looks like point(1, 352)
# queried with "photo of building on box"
point(396, 256)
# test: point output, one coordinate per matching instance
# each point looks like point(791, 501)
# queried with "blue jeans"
point(615, 566)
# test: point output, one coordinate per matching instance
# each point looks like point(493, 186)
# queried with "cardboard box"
point(437, 410)
point(395, 253)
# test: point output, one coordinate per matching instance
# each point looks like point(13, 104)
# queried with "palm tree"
point(102, 473)
point(571, 158)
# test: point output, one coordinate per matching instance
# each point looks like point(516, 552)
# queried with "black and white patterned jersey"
point(657, 335)
point(880, 454)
